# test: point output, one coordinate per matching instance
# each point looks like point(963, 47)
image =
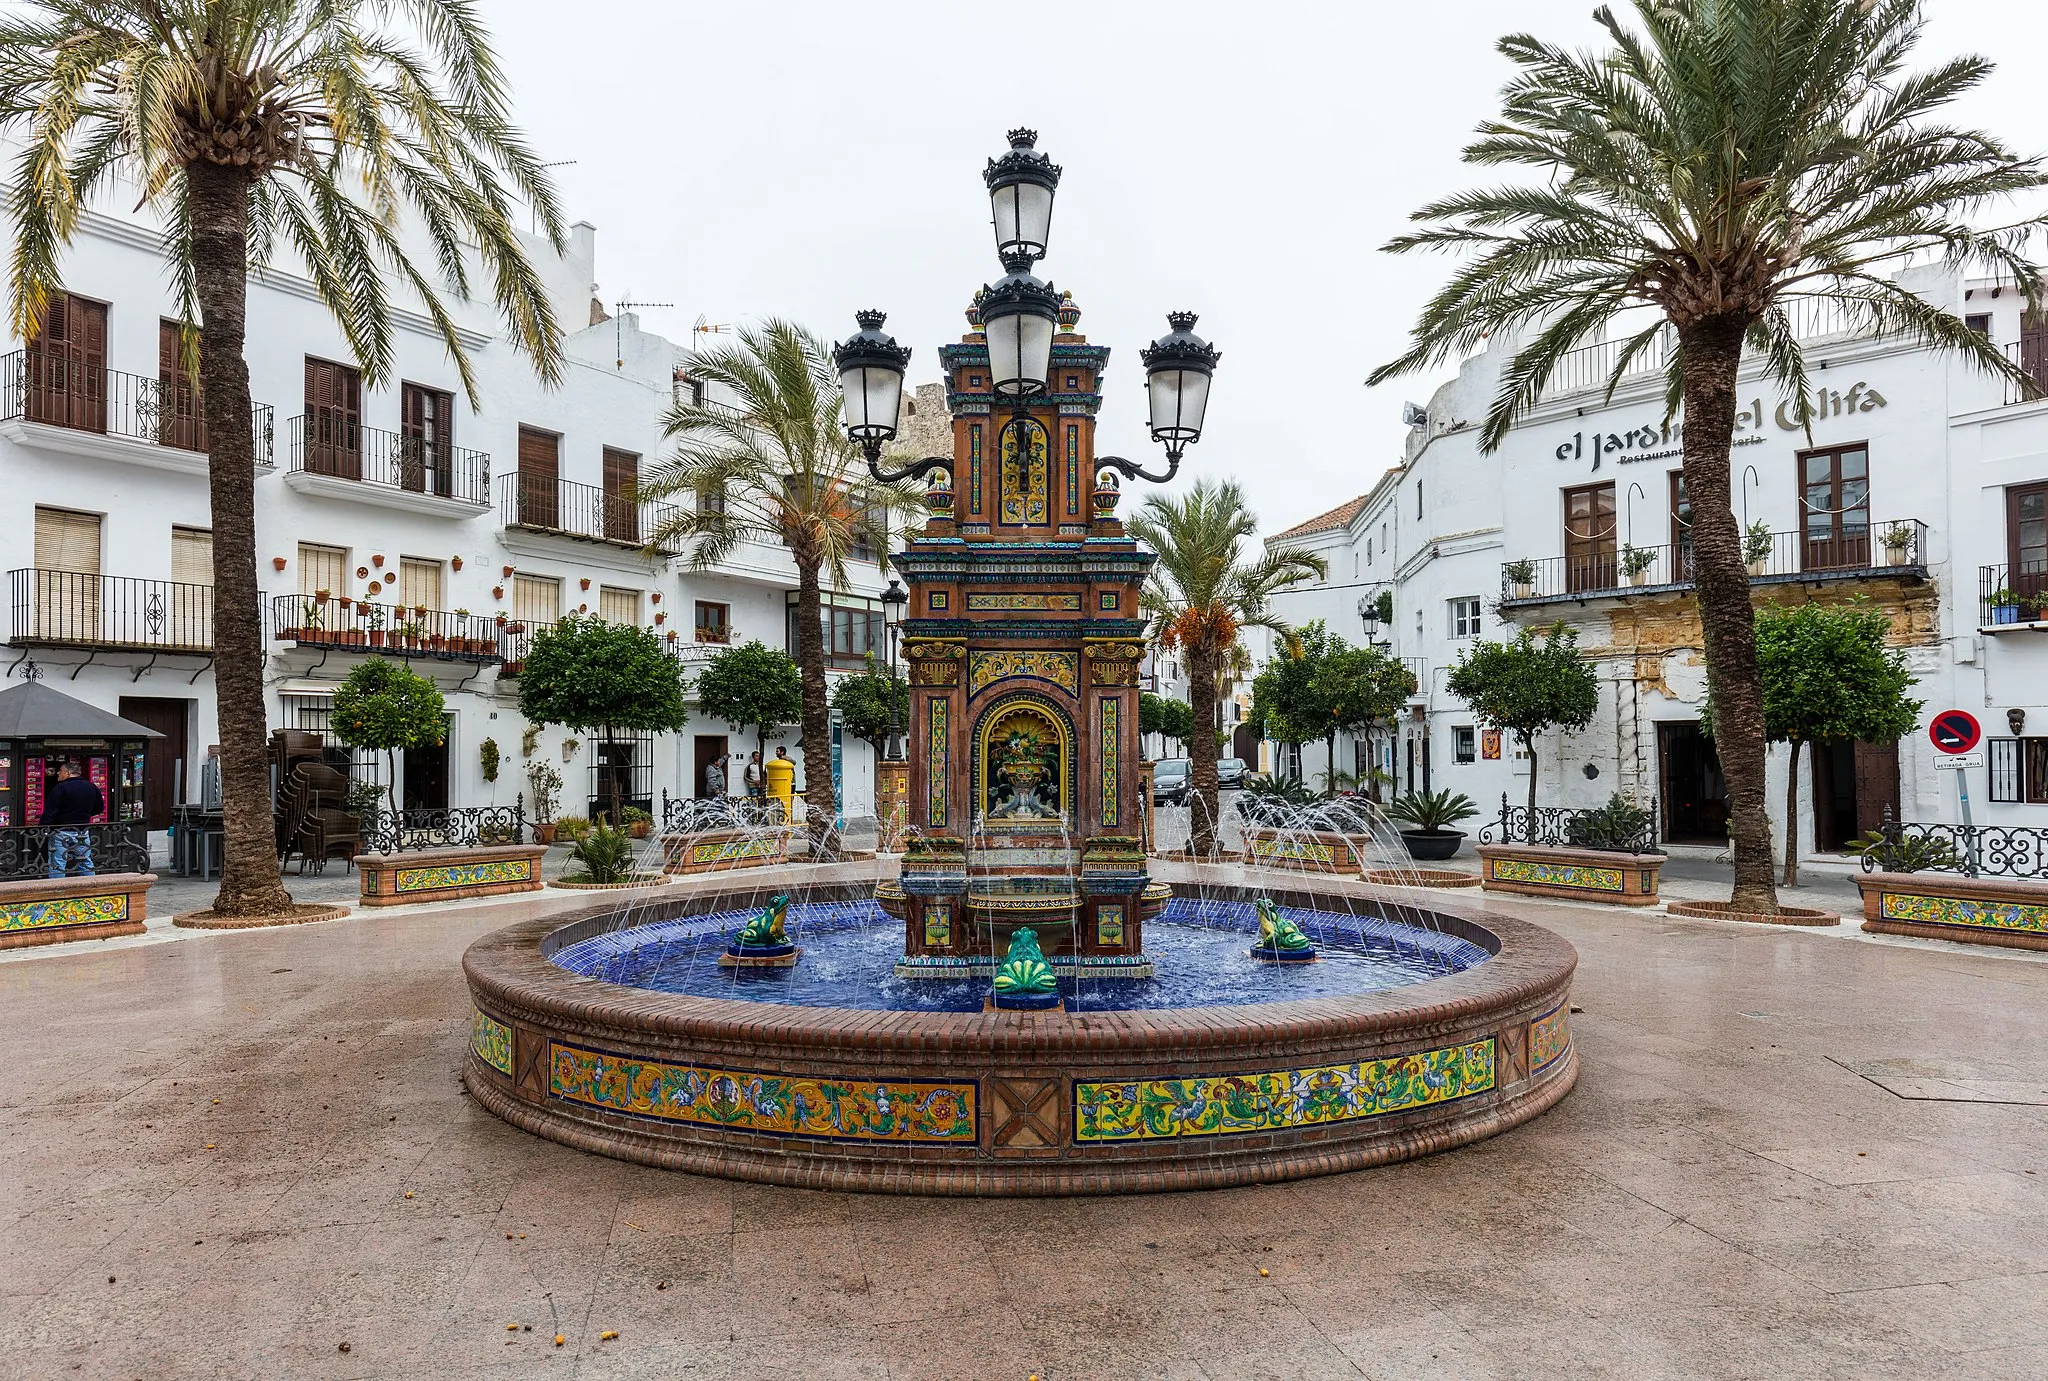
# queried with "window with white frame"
point(1465, 617)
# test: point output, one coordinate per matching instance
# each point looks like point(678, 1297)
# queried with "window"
point(419, 583)
point(710, 497)
point(621, 495)
point(1464, 744)
point(1589, 538)
point(2019, 770)
point(2026, 539)
point(615, 605)
point(1418, 500)
point(713, 622)
point(853, 630)
point(1368, 551)
point(190, 601)
point(333, 425)
point(67, 365)
point(1681, 528)
point(426, 455)
point(1355, 572)
point(322, 568)
point(540, 478)
point(1980, 322)
point(67, 583)
point(536, 599)
point(180, 421)
point(689, 390)
point(1834, 493)
point(1465, 617)
point(191, 556)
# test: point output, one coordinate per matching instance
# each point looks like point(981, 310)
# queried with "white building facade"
point(437, 531)
point(1913, 480)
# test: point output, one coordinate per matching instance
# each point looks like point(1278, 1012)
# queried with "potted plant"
point(2005, 606)
point(1636, 563)
point(1521, 577)
point(497, 592)
point(1756, 548)
point(1898, 544)
point(2035, 607)
point(373, 615)
point(544, 780)
point(323, 595)
point(638, 822)
point(671, 635)
point(1427, 818)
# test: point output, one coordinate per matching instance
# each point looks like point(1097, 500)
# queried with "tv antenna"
point(619, 310)
point(535, 219)
point(705, 327)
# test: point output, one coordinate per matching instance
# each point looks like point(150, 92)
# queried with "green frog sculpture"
point(1024, 980)
point(762, 941)
point(1280, 940)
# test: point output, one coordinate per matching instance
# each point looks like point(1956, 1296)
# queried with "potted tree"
point(1521, 577)
point(1636, 563)
point(373, 615)
point(544, 780)
point(1756, 548)
point(1426, 820)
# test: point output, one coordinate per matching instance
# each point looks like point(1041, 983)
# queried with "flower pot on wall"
point(454, 563)
point(277, 563)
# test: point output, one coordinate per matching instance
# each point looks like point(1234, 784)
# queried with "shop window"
point(1464, 744)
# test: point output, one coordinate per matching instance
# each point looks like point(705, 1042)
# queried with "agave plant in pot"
point(1426, 819)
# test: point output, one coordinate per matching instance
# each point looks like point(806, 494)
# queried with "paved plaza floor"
point(1790, 1154)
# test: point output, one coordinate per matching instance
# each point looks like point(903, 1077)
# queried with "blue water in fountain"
point(1198, 949)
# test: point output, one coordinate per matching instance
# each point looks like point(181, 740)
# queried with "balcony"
point(57, 405)
point(358, 625)
point(583, 513)
point(516, 637)
point(336, 459)
point(1794, 558)
point(1589, 366)
point(2031, 356)
point(112, 613)
point(2012, 599)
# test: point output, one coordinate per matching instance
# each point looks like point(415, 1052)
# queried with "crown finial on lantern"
point(1021, 138)
point(870, 319)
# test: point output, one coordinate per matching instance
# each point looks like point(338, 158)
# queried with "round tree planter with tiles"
point(1587, 875)
point(2010, 912)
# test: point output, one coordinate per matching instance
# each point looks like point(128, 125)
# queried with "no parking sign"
point(1955, 731)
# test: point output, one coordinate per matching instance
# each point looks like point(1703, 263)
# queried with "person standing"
point(756, 780)
point(70, 805)
point(714, 780)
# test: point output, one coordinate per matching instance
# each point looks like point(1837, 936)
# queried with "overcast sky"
point(1244, 161)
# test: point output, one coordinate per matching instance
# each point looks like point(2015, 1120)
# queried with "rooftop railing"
point(343, 450)
point(75, 609)
point(106, 402)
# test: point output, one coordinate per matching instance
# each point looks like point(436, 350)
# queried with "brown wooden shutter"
point(540, 473)
point(621, 502)
point(334, 416)
point(180, 420)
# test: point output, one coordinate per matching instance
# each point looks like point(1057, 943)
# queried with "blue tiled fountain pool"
point(1198, 949)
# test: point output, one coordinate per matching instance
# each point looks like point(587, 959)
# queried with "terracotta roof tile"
point(1337, 517)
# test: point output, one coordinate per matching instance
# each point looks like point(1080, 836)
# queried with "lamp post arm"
point(917, 469)
point(1130, 469)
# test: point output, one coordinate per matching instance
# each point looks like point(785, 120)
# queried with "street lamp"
point(1369, 615)
point(894, 599)
point(1019, 317)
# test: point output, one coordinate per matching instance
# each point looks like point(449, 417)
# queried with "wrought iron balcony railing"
point(394, 630)
point(74, 609)
point(107, 402)
point(338, 449)
point(1850, 551)
point(2012, 594)
point(583, 511)
point(517, 635)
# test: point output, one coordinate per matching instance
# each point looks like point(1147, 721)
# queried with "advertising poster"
point(1489, 744)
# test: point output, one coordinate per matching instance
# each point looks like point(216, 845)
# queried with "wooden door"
point(1877, 784)
point(621, 502)
point(1681, 528)
point(710, 749)
point(2034, 347)
point(1834, 490)
point(67, 366)
point(2026, 540)
point(180, 421)
point(424, 784)
point(162, 758)
point(334, 419)
point(426, 454)
point(540, 479)
point(1589, 550)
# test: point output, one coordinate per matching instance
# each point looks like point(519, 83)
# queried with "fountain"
point(1025, 1002)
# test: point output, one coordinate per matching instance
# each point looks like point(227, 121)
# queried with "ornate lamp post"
point(894, 601)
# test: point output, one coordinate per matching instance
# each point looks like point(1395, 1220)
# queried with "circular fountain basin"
point(1415, 1031)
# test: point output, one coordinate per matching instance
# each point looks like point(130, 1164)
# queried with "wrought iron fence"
point(583, 510)
point(74, 609)
point(340, 449)
point(686, 814)
point(2012, 594)
point(2012, 851)
point(458, 827)
point(115, 848)
point(1571, 827)
point(165, 411)
point(1857, 546)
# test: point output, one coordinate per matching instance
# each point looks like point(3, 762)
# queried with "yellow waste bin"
point(781, 783)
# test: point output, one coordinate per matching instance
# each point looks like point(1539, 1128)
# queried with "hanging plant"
point(586, 582)
point(455, 563)
point(488, 752)
point(508, 572)
point(497, 592)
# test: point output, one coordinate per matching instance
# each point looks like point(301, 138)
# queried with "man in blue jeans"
point(73, 802)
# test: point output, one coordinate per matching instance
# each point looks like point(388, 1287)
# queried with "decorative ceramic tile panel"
point(492, 1042)
point(1111, 762)
point(58, 912)
point(938, 924)
point(1073, 471)
point(1533, 871)
point(938, 600)
point(936, 767)
point(1063, 669)
point(974, 468)
point(1016, 602)
point(771, 1104)
point(1223, 1104)
point(1110, 600)
point(766, 846)
point(1967, 913)
point(1292, 850)
point(1109, 923)
point(449, 875)
point(1550, 1035)
point(1023, 467)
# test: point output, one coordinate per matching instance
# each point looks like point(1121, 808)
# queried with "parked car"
point(1230, 774)
point(1170, 782)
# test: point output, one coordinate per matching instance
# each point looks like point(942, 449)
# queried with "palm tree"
point(1730, 164)
point(306, 133)
point(776, 466)
point(1200, 594)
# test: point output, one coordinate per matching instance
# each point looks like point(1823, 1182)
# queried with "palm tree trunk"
point(219, 206)
point(810, 661)
point(1792, 817)
point(1202, 802)
point(1711, 350)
